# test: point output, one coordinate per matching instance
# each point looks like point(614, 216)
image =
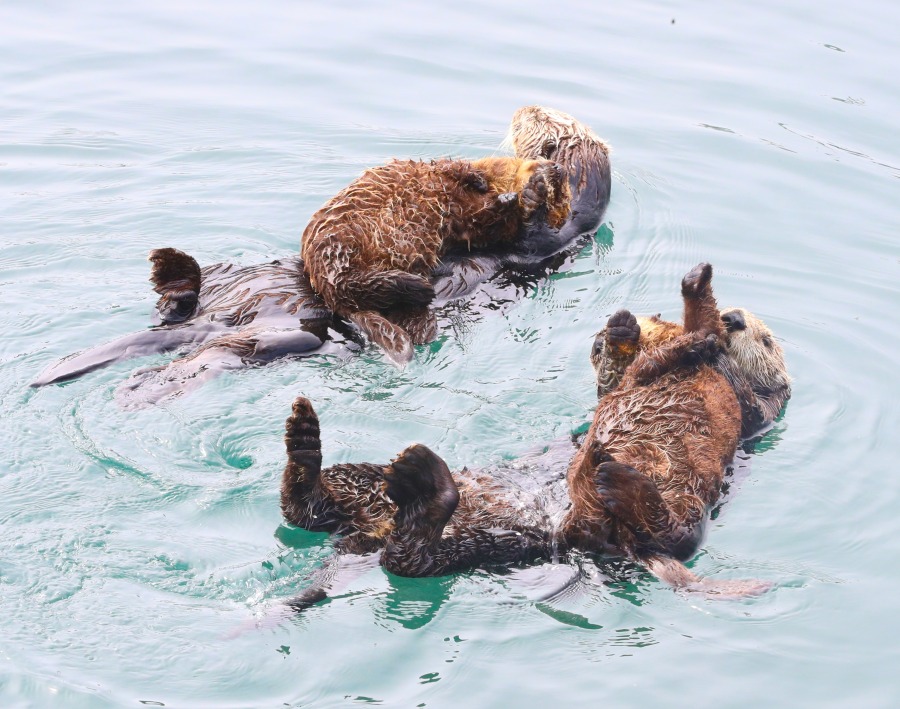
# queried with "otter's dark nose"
point(734, 321)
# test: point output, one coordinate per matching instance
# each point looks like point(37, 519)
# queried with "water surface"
point(761, 138)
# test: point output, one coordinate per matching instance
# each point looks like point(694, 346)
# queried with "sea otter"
point(423, 520)
point(371, 249)
point(652, 463)
point(640, 485)
point(226, 316)
point(539, 132)
point(751, 359)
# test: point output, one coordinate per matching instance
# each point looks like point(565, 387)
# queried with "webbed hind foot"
point(701, 314)
point(304, 453)
point(176, 277)
point(420, 483)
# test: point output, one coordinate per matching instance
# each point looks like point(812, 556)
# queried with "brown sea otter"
point(425, 521)
point(225, 317)
point(371, 249)
point(652, 462)
point(540, 132)
point(640, 485)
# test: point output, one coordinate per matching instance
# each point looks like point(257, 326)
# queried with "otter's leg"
point(383, 290)
point(421, 485)
point(302, 500)
point(688, 350)
point(636, 504)
point(136, 344)
point(222, 354)
point(701, 314)
point(615, 347)
point(393, 339)
point(176, 277)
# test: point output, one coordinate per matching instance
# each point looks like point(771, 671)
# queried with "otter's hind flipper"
point(304, 463)
point(426, 495)
point(136, 344)
point(419, 483)
point(701, 313)
point(677, 575)
point(221, 354)
point(176, 277)
point(391, 338)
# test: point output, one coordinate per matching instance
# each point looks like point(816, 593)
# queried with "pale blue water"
point(760, 137)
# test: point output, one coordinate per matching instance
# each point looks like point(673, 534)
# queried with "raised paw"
point(696, 281)
point(535, 193)
point(704, 349)
point(302, 436)
point(418, 475)
point(622, 334)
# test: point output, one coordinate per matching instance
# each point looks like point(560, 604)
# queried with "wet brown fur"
point(653, 460)
point(427, 520)
point(371, 249)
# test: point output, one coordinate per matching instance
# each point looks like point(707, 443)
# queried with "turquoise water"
point(139, 547)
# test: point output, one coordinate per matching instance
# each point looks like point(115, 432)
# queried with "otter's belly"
point(277, 295)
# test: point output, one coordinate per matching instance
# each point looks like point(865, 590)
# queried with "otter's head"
point(539, 132)
point(758, 358)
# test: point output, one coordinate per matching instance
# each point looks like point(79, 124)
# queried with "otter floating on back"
point(224, 317)
point(641, 484)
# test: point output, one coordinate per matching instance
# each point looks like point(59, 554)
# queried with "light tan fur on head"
point(538, 132)
point(756, 353)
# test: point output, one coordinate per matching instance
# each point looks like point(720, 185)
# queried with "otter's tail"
point(677, 575)
point(392, 338)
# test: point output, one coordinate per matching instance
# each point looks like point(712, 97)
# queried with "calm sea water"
point(760, 137)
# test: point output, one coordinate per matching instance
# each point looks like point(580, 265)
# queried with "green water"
point(136, 545)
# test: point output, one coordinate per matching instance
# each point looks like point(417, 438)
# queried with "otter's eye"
point(548, 147)
point(767, 341)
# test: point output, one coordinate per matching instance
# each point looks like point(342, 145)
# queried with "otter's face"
point(751, 346)
point(536, 132)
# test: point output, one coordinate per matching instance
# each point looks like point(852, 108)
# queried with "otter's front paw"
point(696, 281)
point(476, 181)
point(534, 195)
point(704, 350)
point(622, 334)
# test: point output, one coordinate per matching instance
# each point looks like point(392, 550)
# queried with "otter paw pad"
point(697, 280)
